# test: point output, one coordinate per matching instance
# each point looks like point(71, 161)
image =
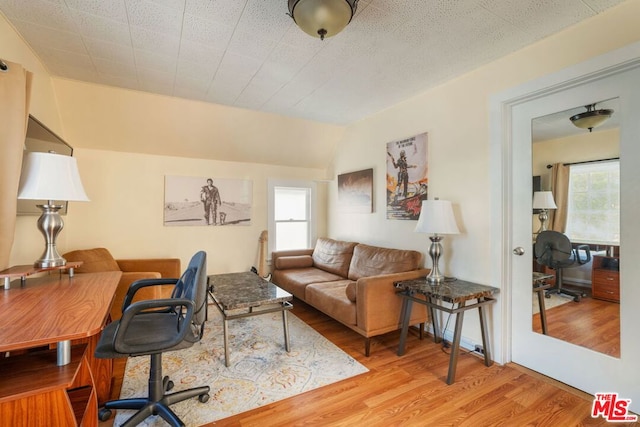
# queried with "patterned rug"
point(261, 371)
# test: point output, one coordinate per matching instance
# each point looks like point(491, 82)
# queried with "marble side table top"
point(244, 290)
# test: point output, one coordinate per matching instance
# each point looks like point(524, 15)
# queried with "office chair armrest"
point(144, 283)
point(149, 308)
point(586, 250)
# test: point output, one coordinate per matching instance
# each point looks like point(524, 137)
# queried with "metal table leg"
point(455, 347)
point(486, 345)
point(407, 305)
point(226, 342)
point(285, 325)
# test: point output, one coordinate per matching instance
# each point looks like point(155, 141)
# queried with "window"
point(593, 214)
point(291, 219)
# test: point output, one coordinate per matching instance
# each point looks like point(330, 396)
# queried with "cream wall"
point(456, 117)
point(125, 213)
point(579, 148)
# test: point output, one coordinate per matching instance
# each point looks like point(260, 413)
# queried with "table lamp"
point(543, 200)
point(51, 177)
point(436, 217)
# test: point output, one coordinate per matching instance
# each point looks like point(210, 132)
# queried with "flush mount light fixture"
point(591, 118)
point(322, 18)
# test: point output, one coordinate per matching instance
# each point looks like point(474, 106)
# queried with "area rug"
point(261, 370)
point(554, 300)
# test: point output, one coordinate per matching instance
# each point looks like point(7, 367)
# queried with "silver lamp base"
point(435, 250)
point(543, 217)
point(50, 224)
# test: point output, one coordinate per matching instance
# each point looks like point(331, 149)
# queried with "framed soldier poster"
point(407, 177)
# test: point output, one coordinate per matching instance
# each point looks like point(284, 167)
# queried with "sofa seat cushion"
point(370, 261)
point(333, 256)
point(331, 298)
point(295, 280)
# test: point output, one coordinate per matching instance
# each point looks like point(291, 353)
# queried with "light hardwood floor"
point(590, 323)
point(411, 390)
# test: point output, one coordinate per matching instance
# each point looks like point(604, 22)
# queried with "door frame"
point(501, 107)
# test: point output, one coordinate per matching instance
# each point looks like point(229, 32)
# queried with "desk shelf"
point(37, 392)
point(24, 271)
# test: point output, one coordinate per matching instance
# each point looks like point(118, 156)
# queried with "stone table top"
point(455, 291)
point(232, 291)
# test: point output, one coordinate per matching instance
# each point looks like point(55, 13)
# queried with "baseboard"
point(465, 342)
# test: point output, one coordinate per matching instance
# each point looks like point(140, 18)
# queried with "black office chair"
point(152, 327)
point(554, 250)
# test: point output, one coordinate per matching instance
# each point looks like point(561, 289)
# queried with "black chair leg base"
point(146, 408)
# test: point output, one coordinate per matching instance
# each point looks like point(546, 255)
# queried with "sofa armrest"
point(167, 267)
point(290, 253)
point(378, 306)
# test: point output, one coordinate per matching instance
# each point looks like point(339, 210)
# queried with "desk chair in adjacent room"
point(554, 250)
point(152, 327)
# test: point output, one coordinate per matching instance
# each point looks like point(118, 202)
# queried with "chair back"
point(553, 249)
point(192, 285)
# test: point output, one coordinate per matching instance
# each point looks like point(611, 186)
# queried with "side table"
point(540, 284)
point(457, 292)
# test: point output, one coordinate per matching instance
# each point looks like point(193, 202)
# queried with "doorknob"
point(518, 251)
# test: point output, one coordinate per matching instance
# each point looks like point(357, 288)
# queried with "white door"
point(577, 366)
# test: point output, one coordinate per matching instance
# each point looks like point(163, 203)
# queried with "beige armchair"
point(100, 259)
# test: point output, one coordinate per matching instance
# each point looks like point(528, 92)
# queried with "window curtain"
point(560, 190)
point(15, 90)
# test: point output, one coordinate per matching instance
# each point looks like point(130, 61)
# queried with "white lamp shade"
point(48, 176)
point(543, 200)
point(436, 217)
point(330, 16)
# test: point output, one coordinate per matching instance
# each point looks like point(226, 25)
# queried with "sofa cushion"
point(93, 260)
point(295, 280)
point(333, 256)
point(299, 261)
point(373, 261)
point(331, 299)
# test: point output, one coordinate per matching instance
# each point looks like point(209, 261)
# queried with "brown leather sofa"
point(100, 259)
point(351, 282)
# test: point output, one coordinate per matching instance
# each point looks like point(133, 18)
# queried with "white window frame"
point(569, 231)
point(272, 184)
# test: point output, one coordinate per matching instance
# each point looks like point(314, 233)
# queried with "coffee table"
point(239, 295)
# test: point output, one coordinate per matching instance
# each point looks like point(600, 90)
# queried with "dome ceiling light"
point(322, 18)
point(591, 118)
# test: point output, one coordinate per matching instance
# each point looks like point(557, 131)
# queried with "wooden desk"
point(454, 292)
point(56, 309)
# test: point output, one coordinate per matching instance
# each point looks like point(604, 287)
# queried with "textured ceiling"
point(250, 54)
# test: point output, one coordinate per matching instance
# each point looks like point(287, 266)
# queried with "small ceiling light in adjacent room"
point(591, 118)
point(322, 18)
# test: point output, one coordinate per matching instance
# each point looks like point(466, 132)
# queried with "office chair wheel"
point(203, 398)
point(576, 298)
point(104, 414)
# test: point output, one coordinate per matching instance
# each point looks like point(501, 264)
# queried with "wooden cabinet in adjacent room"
point(605, 278)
